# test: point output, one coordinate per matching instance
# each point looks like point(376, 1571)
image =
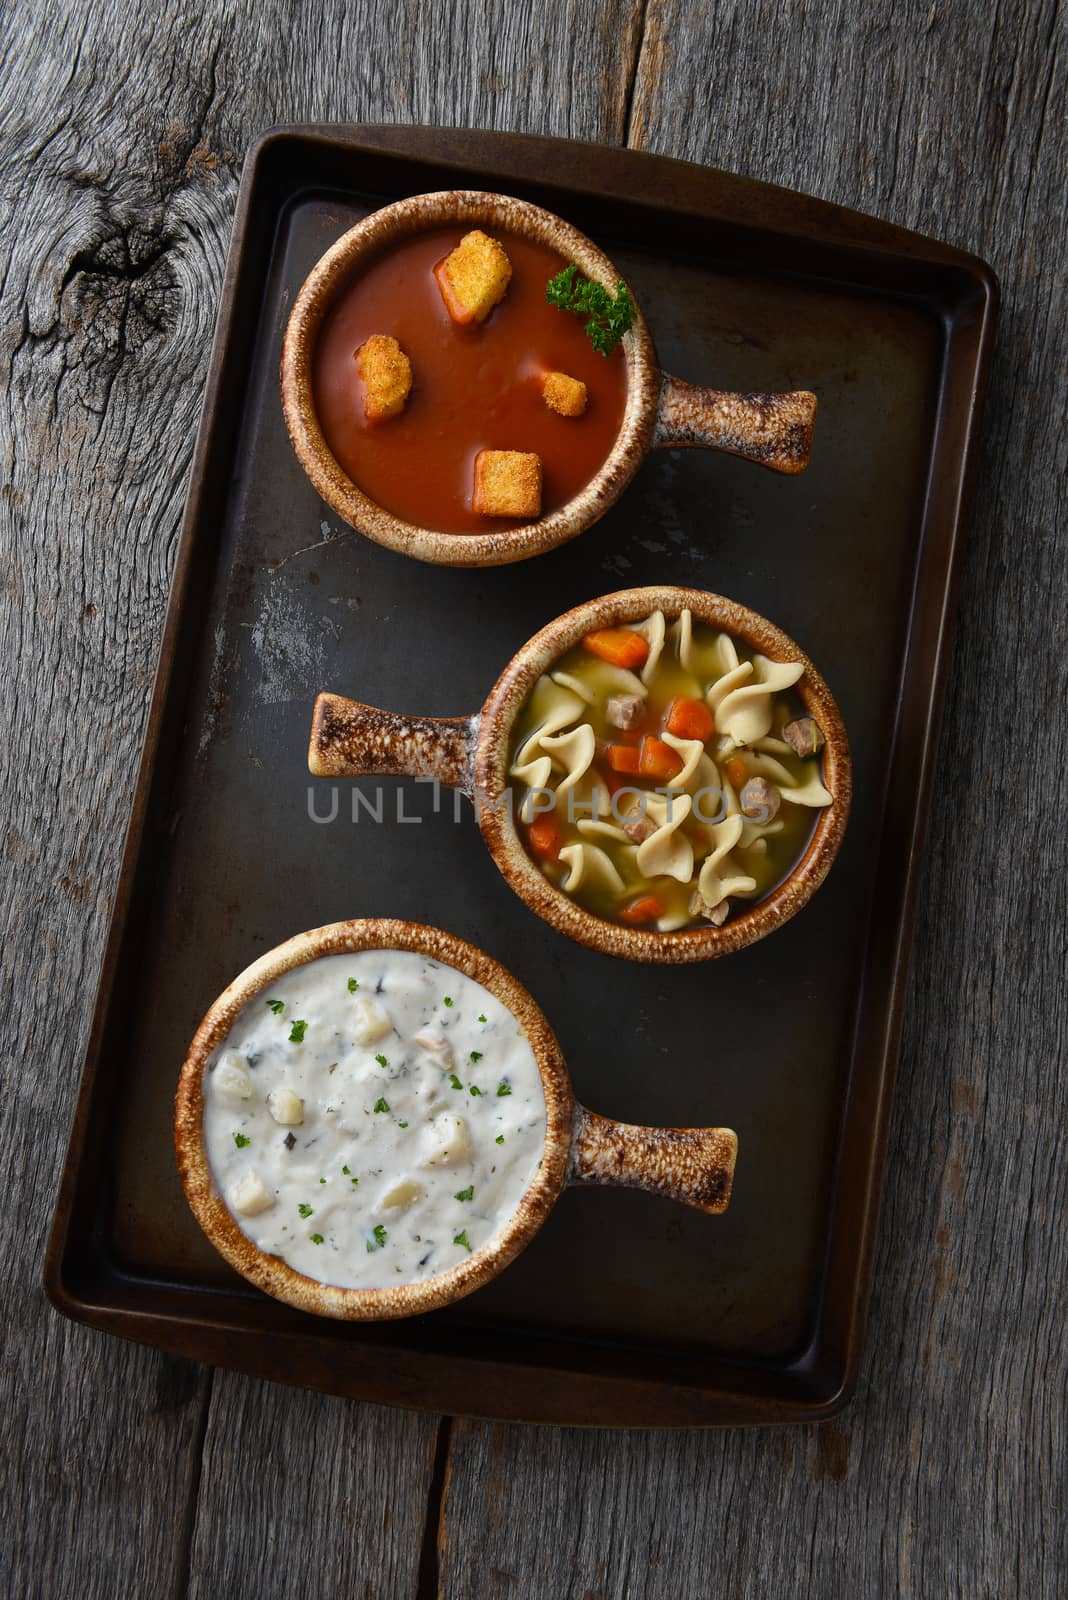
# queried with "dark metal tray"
point(625, 1310)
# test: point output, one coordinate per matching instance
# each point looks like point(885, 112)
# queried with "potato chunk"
point(447, 1142)
point(285, 1107)
point(473, 278)
point(401, 1196)
point(250, 1195)
point(387, 376)
point(564, 395)
point(507, 484)
point(230, 1078)
point(370, 1021)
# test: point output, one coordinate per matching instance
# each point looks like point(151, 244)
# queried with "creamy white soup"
point(373, 1118)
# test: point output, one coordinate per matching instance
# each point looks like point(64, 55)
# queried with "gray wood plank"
point(947, 1476)
point(317, 1497)
point(122, 130)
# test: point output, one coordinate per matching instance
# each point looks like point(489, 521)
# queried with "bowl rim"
point(497, 822)
point(275, 1276)
point(327, 280)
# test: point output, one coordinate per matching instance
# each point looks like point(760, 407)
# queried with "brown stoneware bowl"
point(471, 754)
point(692, 1165)
point(772, 429)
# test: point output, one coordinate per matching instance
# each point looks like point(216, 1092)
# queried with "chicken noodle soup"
point(663, 775)
point(374, 1118)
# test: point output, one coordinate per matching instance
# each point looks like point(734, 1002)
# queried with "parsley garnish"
point(345, 1170)
point(353, 986)
point(381, 1105)
point(461, 1238)
point(475, 1089)
point(316, 1238)
point(297, 1032)
point(378, 1240)
point(476, 1055)
point(382, 1062)
point(503, 1088)
point(465, 1194)
point(305, 1210)
point(402, 1124)
point(241, 1140)
point(448, 1000)
point(277, 1006)
point(322, 1180)
point(607, 318)
point(454, 1080)
point(482, 1016)
point(499, 1139)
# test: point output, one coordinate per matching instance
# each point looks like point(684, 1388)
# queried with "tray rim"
point(620, 1400)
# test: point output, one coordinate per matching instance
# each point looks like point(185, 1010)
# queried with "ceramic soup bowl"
point(472, 754)
point(774, 430)
point(691, 1165)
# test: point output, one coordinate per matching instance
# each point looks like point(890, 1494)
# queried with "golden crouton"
point(473, 277)
point(507, 484)
point(565, 395)
point(387, 376)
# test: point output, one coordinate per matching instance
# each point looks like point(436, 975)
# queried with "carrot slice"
point(647, 908)
point(621, 646)
point(543, 835)
point(737, 774)
point(623, 758)
point(657, 759)
point(689, 719)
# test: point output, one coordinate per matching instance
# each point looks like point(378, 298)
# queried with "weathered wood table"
point(128, 1474)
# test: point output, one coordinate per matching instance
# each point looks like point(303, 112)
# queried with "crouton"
point(564, 395)
point(387, 376)
point(507, 484)
point(473, 277)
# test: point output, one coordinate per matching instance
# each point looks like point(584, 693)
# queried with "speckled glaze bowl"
point(692, 1165)
point(772, 429)
point(471, 754)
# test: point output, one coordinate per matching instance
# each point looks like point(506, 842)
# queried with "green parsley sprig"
point(608, 318)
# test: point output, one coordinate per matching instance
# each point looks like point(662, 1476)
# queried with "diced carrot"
point(623, 758)
point(689, 719)
point(621, 646)
point(544, 836)
point(657, 759)
point(647, 908)
point(737, 775)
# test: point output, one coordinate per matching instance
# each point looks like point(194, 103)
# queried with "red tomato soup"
point(475, 387)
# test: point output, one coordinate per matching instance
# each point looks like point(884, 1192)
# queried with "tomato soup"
point(474, 387)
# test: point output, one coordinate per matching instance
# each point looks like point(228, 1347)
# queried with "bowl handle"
point(772, 429)
point(350, 740)
point(693, 1165)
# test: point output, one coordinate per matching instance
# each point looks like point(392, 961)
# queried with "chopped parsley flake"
point(448, 999)
point(277, 1006)
point(402, 1124)
point(476, 1055)
point(378, 1239)
point(381, 1105)
point(454, 1080)
point(316, 1238)
point(499, 1139)
point(305, 1210)
point(241, 1140)
point(482, 1017)
point(297, 1032)
point(322, 1180)
point(353, 986)
point(475, 1089)
point(355, 1180)
point(461, 1238)
point(504, 1087)
point(465, 1194)
point(345, 1170)
point(382, 1062)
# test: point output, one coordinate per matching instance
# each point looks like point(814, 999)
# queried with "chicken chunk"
point(759, 800)
point(638, 827)
point(805, 736)
point(625, 710)
point(716, 915)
